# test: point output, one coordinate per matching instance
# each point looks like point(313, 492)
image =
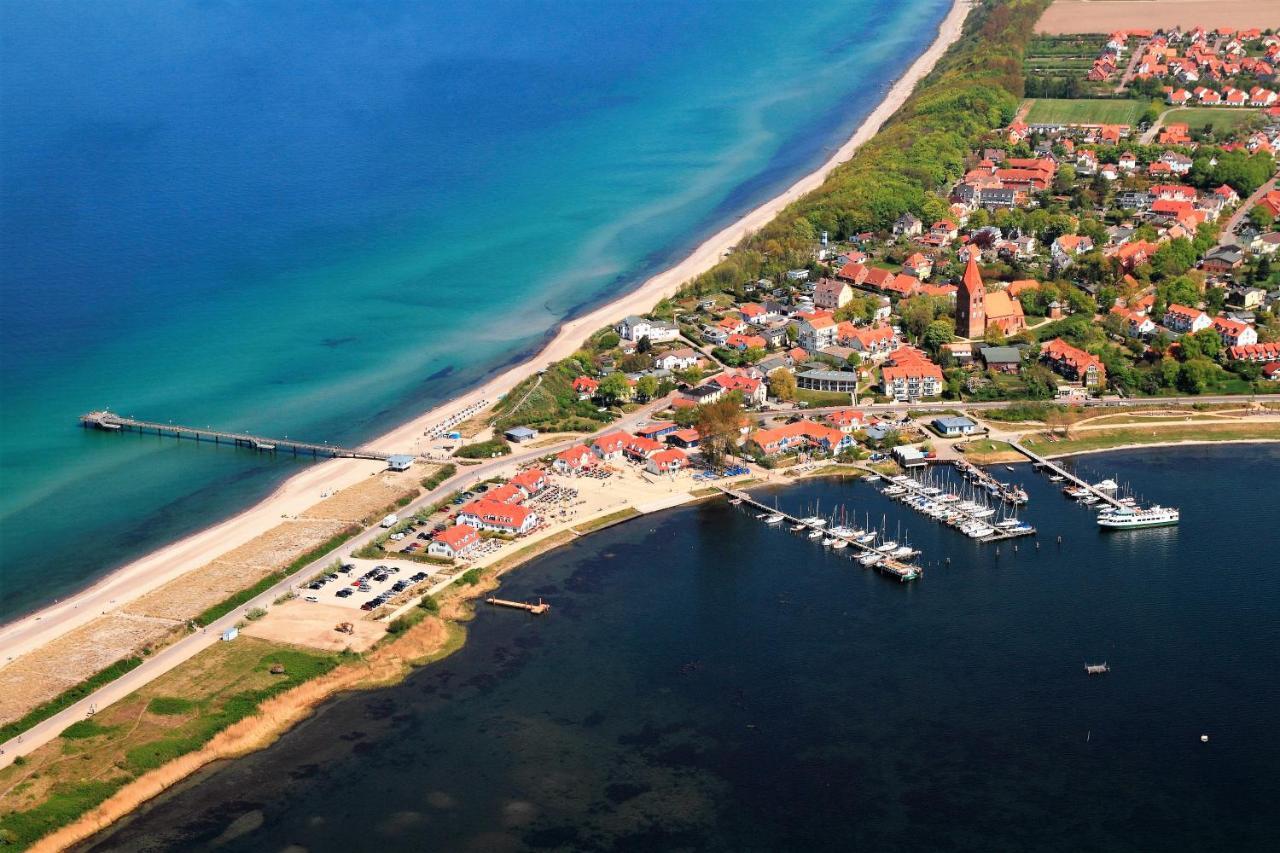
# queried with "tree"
point(647, 387)
point(719, 426)
point(608, 341)
point(995, 335)
point(1194, 375)
point(690, 375)
point(936, 334)
point(782, 384)
point(614, 388)
point(753, 354)
point(644, 344)
point(1261, 217)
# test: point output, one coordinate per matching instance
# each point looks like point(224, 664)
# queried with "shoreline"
point(300, 491)
point(1154, 445)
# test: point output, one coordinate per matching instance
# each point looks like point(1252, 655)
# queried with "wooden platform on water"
point(111, 422)
point(997, 534)
point(536, 609)
point(1041, 462)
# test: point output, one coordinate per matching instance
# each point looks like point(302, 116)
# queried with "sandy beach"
point(296, 494)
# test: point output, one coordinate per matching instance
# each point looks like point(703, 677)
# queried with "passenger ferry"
point(1124, 519)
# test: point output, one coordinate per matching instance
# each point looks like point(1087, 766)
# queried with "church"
point(977, 310)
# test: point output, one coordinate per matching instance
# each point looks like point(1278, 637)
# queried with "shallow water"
point(705, 682)
point(317, 219)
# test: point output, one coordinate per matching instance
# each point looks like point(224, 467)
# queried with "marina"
point(967, 514)
point(887, 557)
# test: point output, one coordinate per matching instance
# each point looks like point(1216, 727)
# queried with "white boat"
point(1056, 478)
point(773, 519)
point(867, 537)
point(814, 534)
point(903, 551)
point(893, 491)
point(1089, 499)
point(1106, 486)
point(796, 528)
point(814, 521)
point(870, 558)
point(871, 478)
point(838, 544)
point(1128, 519)
point(886, 547)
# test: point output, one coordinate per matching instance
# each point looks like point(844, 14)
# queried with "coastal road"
point(192, 644)
point(1227, 235)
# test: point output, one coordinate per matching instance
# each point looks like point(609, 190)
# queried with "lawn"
point(1222, 118)
point(1084, 111)
point(1102, 439)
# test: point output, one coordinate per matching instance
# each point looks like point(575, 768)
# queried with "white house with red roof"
point(586, 387)
point(667, 461)
point(485, 514)
point(1257, 353)
point(801, 434)
point(816, 333)
point(530, 481)
point(1234, 333)
point(611, 446)
point(869, 340)
point(454, 542)
point(575, 459)
point(831, 293)
point(753, 390)
point(1180, 318)
point(640, 448)
point(847, 420)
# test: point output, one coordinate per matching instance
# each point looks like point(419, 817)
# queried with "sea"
point(706, 682)
point(315, 220)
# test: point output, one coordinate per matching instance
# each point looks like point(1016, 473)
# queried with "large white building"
point(634, 328)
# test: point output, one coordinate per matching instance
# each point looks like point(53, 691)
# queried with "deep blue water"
point(314, 219)
point(705, 682)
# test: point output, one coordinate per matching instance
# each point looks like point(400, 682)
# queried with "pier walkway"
point(888, 565)
point(1041, 462)
point(111, 422)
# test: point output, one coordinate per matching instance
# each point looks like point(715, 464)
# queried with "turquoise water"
point(316, 219)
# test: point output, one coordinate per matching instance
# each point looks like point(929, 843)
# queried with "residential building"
point(834, 381)
point(454, 542)
point(909, 375)
point(847, 420)
point(831, 294)
point(801, 434)
point(1073, 363)
point(677, 359)
point(575, 459)
point(586, 387)
point(485, 514)
point(612, 446)
point(1002, 359)
point(1180, 318)
point(636, 328)
point(1234, 333)
point(954, 426)
point(666, 461)
point(1258, 353)
point(816, 333)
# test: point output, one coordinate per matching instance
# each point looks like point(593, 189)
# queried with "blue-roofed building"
point(953, 426)
point(399, 462)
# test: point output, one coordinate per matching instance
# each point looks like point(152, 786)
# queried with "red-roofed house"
point(1135, 323)
point(752, 389)
point(640, 449)
point(847, 420)
point(667, 461)
point(1180, 318)
point(485, 514)
point(611, 446)
point(454, 541)
point(870, 340)
point(1234, 333)
point(1255, 352)
point(575, 459)
point(505, 494)
point(1073, 362)
point(909, 375)
point(832, 293)
point(745, 342)
point(531, 481)
point(801, 434)
point(586, 387)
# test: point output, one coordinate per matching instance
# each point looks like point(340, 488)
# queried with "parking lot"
point(367, 584)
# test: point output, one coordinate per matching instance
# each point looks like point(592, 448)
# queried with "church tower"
point(971, 309)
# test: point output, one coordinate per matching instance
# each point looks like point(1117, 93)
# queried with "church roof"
point(972, 277)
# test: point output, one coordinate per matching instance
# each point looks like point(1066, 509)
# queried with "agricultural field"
point(1223, 119)
point(1084, 111)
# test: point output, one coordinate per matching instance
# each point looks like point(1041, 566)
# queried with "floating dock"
point(536, 609)
point(110, 422)
point(888, 565)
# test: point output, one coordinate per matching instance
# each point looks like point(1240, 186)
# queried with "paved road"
point(1228, 233)
point(191, 645)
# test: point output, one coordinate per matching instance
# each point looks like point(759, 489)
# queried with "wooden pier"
point(887, 565)
point(536, 609)
point(1041, 462)
point(111, 422)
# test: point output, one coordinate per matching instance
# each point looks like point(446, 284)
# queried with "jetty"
point(1041, 462)
point(886, 565)
point(536, 609)
point(111, 422)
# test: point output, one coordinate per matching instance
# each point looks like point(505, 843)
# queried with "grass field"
point(1084, 111)
point(1222, 118)
point(1106, 438)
